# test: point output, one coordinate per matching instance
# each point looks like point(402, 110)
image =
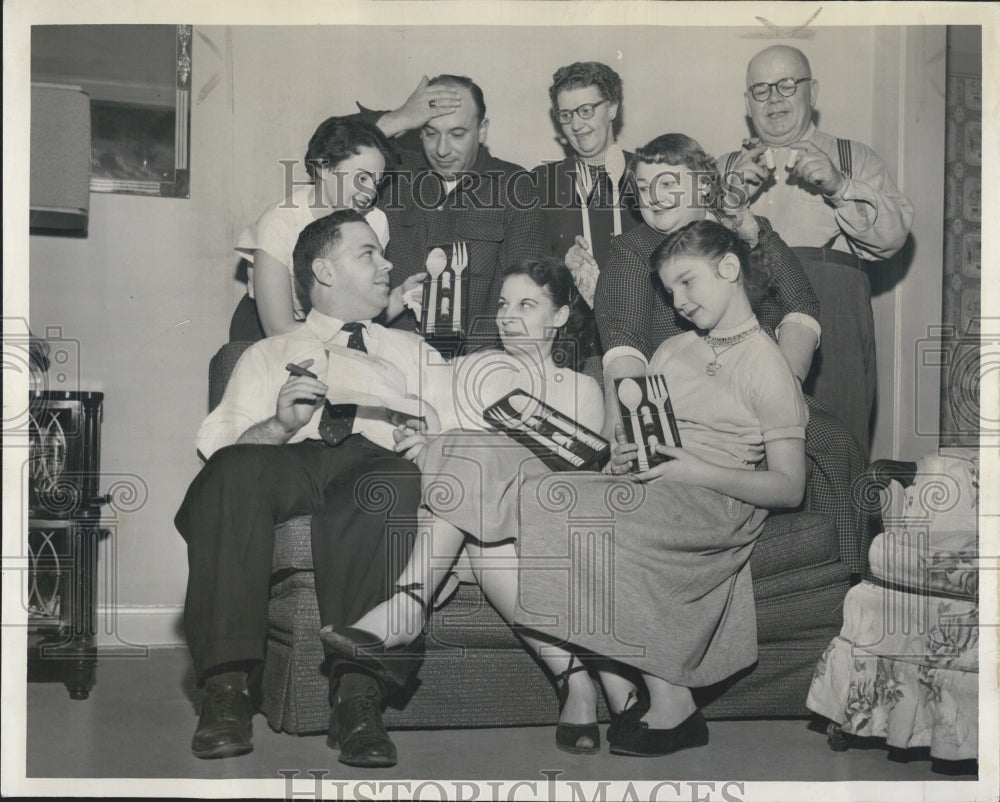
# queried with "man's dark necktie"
point(337, 420)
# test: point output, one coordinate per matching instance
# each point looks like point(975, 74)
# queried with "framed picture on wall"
point(139, 81)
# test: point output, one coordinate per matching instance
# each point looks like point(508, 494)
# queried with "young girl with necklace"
point(676, 580)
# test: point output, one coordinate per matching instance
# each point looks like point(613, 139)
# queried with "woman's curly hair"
point(680, 149)
point(581, 74)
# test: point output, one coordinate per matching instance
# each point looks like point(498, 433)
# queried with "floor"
point(139, 719)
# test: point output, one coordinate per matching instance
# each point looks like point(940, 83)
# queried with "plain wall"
point(150, 292)
point(148, 296)
point(687, 80)
point(910, 137)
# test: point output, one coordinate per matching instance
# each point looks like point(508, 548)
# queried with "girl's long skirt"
point(654, 575)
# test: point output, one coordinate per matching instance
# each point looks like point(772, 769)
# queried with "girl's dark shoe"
point(639, 740)
point(635, 708)
point(578, 739)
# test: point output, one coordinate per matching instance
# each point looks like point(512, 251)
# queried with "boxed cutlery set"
point(445, 301)
point(647, 417)
point(558, 440)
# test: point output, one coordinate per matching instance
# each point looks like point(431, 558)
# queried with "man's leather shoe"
point(356, 728)
point(225, 727)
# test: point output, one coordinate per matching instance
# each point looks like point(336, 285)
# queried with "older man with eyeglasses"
point(832, 200)
point(816, 189)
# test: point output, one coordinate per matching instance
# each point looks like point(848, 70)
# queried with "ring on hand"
point(432, 103)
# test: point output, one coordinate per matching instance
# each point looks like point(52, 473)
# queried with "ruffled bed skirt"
point(904, 668)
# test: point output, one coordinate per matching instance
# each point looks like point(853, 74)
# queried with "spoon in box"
point(436, 263)
point(630, 394)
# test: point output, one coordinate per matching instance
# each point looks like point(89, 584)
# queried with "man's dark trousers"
point(228, 517)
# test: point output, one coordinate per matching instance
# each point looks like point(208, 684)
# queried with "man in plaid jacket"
point(449, 188)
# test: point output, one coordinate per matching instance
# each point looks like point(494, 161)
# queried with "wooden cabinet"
point(64, 529)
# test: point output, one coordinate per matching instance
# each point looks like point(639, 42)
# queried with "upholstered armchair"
point(904, 667)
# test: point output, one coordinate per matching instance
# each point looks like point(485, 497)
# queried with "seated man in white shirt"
point(277, 448)
point(835, 204)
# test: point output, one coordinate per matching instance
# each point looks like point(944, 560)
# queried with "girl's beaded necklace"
point(725, 343)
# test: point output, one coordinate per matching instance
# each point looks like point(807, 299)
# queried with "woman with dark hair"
point(584, 198)
point(678, 183)
point(345, 159)
point(472, 478)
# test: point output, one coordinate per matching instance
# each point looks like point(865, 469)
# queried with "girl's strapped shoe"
point(578, 739)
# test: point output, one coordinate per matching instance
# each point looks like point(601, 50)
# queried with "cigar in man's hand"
point(298, 370)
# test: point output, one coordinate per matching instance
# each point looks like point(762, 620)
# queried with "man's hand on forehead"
point(433, 100)
point(424, 104)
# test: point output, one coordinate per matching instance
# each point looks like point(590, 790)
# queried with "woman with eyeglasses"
point(345, 159)
point(584, 197)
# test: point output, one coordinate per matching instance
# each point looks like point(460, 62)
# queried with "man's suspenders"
point(844, 151)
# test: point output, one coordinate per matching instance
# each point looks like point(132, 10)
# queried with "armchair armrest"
point(882, 471)
point(221, 368)
point(868, 499)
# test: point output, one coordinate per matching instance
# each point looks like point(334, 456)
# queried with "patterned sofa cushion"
point(926, 630)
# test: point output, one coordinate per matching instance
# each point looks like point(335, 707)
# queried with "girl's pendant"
point(712, 368)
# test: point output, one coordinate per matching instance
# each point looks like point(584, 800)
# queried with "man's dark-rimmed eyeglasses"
point(586, 111)
point(786, 88)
